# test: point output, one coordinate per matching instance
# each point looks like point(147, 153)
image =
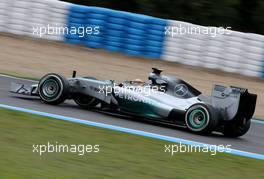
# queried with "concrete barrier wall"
point(134, 35)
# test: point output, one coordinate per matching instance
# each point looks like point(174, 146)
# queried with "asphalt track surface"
point(253, 141)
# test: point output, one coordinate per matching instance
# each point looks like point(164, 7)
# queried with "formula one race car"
point(162, 98)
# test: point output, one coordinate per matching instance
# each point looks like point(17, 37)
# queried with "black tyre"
point(53, 88)
point(237, 129)
point(201, 119)
point(86, 101)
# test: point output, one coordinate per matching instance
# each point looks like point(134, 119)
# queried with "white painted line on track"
point(136, 132)
point(17, 78)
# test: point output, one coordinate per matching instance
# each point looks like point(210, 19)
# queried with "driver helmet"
point(137, 82)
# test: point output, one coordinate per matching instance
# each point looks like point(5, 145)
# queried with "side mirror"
point(74, 74)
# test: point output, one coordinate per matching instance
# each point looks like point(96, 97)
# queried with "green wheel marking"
point(197, 118)
point(50, 88)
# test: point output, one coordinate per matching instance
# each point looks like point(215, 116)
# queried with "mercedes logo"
point(180, 90)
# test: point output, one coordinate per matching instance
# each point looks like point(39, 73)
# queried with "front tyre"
point(53, 88)
point(201, 119)
point(237, 129)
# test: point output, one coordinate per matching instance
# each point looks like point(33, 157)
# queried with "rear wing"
point(233, 102)
point(29, 90)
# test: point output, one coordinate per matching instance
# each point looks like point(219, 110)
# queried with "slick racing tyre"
point(53, 88)
point(237, 129)
point(86, 101)
point(201, 119)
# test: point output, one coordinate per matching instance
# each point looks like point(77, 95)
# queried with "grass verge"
point(121, 155)
point(18, 75)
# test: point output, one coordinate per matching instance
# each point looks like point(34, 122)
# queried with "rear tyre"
point(237, 130)
point(201, 119)
point(53, 88)
point(86, 101)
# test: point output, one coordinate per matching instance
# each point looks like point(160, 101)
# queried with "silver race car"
point(162, 98)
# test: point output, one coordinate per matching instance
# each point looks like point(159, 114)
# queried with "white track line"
point(136, 132)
